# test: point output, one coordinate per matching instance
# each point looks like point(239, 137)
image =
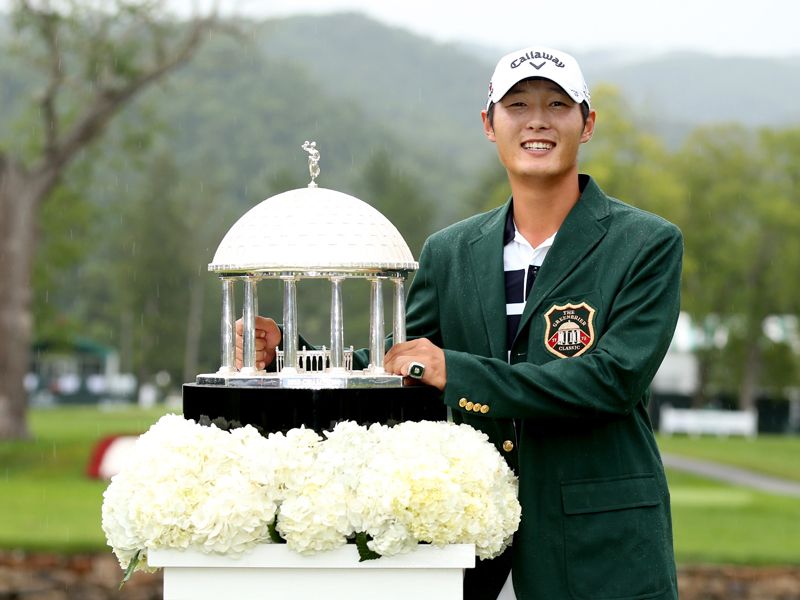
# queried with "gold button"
point(484, 409)
point(476, 407)
point(508, 445)
point(462, 403)
point(469, 405)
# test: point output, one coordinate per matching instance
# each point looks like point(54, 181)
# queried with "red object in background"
point(109, 454)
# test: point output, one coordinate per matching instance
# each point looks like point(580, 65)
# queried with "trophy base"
point(274, 409)
point(309, 381)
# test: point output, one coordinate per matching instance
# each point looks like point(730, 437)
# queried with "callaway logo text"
point(531, 56)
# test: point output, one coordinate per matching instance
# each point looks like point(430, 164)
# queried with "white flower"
point(190, 485)
point(316, 514)
point(220, 491)
point(439, 483)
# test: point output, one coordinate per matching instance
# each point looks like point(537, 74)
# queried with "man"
point(543, 323)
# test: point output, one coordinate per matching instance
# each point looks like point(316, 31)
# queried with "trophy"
point(310, 233)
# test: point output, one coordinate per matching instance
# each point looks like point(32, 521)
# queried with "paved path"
point(734, 475)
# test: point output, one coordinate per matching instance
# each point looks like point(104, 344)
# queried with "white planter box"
point(273, 571)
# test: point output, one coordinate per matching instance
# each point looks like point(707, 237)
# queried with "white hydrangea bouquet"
point(386, 488)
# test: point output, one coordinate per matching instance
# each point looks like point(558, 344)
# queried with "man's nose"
point(537, 119)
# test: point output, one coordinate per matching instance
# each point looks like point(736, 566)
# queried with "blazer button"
point(462, 403)
point(476, 407)
point(508, 445)
point(484, 409)
point(469, 405)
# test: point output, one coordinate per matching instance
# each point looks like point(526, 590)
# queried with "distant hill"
point(432, 92)
point(428, 93)
point(697, 88)
point(359, 87)
point(686, 89)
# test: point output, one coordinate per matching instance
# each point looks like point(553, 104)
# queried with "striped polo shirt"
point(521, 263)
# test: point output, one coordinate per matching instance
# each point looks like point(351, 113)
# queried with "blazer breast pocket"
point(616, 538)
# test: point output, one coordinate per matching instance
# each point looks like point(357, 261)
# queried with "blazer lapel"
point(578, 235)
point(486, 257)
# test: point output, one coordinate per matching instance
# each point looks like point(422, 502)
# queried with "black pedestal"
point(283, 409)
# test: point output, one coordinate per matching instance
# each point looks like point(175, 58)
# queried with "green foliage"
point(364, 553)
point(150, 258)
point(68, 218)
point(740, 230)
point(491, 190)
point(430, 94)
point(274, 536)
point(395, 193)
point(629, 162)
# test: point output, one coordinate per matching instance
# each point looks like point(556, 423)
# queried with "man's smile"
point(538, 145)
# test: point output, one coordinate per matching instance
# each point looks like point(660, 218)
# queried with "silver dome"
point(312, 229)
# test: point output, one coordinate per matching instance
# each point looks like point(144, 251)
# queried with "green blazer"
point(568, 406)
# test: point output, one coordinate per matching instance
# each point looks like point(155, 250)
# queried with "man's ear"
point(588, 127)
point(488, 130)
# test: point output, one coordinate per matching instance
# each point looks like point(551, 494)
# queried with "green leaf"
point(131, 568)
point(364, 552)
point(273, 532)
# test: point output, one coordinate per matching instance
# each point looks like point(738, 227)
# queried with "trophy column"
point(337, 326)
point(399, 320)
point(249, 311)
point(228, 327)
point(290, 332)
point(376, 326)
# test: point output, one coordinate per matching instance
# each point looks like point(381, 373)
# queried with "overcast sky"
point(729, 27)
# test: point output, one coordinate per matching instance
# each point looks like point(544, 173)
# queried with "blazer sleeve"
point(422, 314)
point(611, 378)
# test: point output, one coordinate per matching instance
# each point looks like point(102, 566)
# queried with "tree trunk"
point(700, 395)
point(751, 375)
point(19, 200)
point(23, 190)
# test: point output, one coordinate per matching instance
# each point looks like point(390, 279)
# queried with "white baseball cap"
point(538, 61)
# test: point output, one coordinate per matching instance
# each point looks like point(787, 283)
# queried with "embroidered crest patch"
point(569, 329)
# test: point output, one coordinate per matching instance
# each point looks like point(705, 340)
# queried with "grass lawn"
point(718, 523)
point(48, 503)
point(776, 455)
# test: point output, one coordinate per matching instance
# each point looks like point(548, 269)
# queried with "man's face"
point(538, 129)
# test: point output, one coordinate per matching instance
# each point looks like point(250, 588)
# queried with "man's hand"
point(268, 336)
point(423, 351)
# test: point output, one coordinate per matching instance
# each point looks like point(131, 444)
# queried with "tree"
point(741, 238)
point(149, 287)
point(93, 62)
point(629, 162)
